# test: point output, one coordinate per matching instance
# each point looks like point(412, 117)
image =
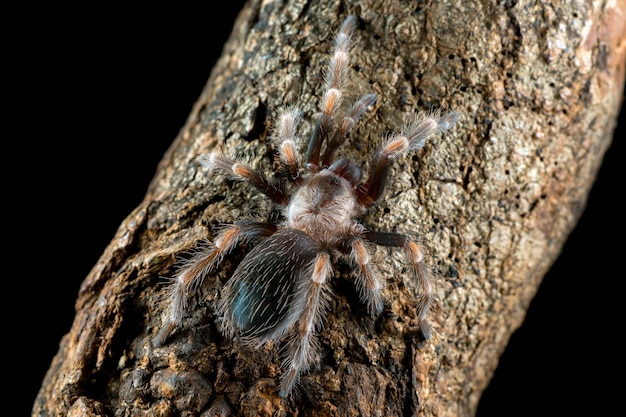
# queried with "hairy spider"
point(280, 290)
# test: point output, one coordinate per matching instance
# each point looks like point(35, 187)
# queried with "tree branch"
point(538, 88)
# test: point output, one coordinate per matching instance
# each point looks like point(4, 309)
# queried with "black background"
point(99, 100)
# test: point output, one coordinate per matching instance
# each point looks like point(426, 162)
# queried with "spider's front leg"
point(411, 138)
point(287, 123)
point(205, 258)
point(336, 77)
point(419, 268)
point(242, 171)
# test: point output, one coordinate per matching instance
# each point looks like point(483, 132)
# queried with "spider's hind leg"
point(423, 276)
point(203, 261)
point(368, 281)
point(301, 345)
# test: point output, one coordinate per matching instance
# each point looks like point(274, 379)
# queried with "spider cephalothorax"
point(280, 289)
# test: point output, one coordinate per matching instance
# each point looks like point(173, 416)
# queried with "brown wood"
point(538, 87)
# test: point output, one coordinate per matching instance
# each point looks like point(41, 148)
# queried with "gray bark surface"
point(538, 87)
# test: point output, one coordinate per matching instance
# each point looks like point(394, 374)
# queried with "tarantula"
point(280, 290)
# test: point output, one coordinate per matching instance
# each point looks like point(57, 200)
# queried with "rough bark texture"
point(538, 86)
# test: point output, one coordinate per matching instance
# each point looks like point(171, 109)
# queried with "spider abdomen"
point(262, 299)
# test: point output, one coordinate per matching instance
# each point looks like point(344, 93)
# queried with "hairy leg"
point(300, 349)
point(420, 270)
point(355, 112)
point(193, 271)
point(336, 77)
point(368, 281)
point(242, 171)
point(287, 123)
point(411, 138)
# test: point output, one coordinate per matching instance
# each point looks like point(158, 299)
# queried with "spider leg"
point(355, 112)
point(301, 346)
point(191, 274)
point(411, 138)
point(243, 171)
point(368, 281)
point(422, 273)
point(287, 123)
point(335, 79)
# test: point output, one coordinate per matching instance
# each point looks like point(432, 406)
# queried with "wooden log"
point(538, 88)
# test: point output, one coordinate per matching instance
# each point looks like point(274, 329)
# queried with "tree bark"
point(538, 87)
